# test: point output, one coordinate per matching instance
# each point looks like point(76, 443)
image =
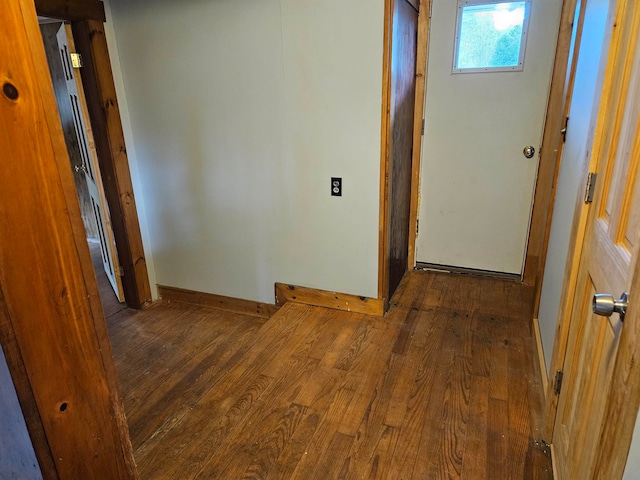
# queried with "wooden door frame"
point(623, 401)
point(385, 174)
point(540, 224)
point(52, 329)
point(87, 21)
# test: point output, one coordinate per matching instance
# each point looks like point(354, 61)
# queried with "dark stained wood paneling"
point(403, 82)
point(104, 113)
point(71, 9)
point(443, 387)
point(53, 331)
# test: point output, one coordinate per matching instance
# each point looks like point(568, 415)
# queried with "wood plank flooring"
point(444, 387)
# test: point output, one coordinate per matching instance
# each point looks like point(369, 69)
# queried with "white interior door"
point(90, 164)
point(476, 184)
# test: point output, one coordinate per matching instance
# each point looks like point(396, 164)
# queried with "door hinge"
point(563, 132)
point(423, 126)
point(76, 60)
point(430, 8)
point(120, 271)
point(590, 188)
point(557, 382)
point(417, 226)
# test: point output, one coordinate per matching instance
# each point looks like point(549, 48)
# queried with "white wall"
point(574, 161)
point(632, 469)
point(240, 112)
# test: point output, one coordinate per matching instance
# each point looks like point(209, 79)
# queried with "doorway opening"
point(65, 69)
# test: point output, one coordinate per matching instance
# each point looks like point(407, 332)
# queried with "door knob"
point(604, 304)
point(528, 151)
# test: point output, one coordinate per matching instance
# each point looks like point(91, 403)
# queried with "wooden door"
point(403, 82)
point(476, 185)
point(89, 162)
point(606, 265)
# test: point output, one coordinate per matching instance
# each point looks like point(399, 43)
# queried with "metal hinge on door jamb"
point(590, 187)
point(557, 382)
point(423, 126)
point(76, 60)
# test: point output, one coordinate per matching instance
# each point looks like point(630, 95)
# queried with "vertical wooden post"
point(102, 104)
point(53, 329)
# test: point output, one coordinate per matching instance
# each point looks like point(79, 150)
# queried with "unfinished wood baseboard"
point(219, 302)
point(323, 298)
point(544, 377)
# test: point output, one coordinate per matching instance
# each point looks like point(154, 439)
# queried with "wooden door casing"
point(403, 83)
point(607, 264)
point(51, 324)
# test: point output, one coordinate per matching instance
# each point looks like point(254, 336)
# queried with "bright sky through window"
point(490, 36)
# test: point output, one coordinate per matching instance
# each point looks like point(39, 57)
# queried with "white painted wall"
point(632, 469)
point(17, 458)
point(237, 114)
point(574, 161)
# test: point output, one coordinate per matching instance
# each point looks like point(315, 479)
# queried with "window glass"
point(490, 36)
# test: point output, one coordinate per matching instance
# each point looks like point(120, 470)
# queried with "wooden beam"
point(219, 302)
point(323, 298)
point(53, 330)
point(103, 108)
point(71, 10)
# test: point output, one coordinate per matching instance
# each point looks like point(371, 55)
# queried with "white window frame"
point(523, 42)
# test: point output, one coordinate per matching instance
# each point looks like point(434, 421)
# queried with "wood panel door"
point(403, 83)
point(606, 265)
point(89, 163)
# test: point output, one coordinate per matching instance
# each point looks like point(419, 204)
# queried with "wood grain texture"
point(442, 387)
point(221, 302)
point(401, 117)
point(421, 74)
point(323, 298)
point(71, 9)
point(100, 92)
point(385, 135)
point(49, 308)
point(550, 151)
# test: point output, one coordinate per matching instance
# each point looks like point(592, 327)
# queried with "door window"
point(490, 36)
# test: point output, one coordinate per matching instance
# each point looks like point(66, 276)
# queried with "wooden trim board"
point(323, 298)
point(385, 128)
point(418, 115)
point(219, 302)
point(544, 377)
point(550, 150)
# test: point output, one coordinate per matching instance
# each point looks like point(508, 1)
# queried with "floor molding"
point(219, 302)
point(544, 377)
point(323, 298)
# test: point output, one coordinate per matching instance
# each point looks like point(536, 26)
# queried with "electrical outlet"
point(336, 186)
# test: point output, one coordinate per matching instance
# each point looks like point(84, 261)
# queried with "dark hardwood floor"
point(443, 387)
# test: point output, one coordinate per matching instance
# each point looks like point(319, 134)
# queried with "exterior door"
point(607, 263)
point(89, 164)
point(476, 184)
